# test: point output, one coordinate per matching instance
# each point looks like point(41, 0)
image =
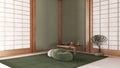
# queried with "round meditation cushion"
point(62, 55)
point(50, 52)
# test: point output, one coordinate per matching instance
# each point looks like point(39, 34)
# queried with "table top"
point(67, 46)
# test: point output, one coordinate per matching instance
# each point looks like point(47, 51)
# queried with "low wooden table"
point(75, 48)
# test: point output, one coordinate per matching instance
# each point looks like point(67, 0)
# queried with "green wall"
point(73, 20)
point(82, 22)
point(47, 24)
point(69, 20)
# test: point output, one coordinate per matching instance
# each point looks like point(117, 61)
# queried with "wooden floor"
point(110, 62)
point(3, 66)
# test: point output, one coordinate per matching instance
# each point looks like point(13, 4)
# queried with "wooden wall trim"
point(107, 52)
point(59, 21)
point(33, 32)
point(14, 52)
point(87, 25)
point(91, 25)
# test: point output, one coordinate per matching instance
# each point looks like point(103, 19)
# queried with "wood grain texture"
point(14, 52)
point(87, 25)
point(107, 52)
point(33, 25)
point(59, 21)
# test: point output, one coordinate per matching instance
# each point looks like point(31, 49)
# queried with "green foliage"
point(99, 39)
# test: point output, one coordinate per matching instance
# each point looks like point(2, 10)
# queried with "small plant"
point(99, 40)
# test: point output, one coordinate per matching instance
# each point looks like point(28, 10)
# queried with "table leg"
point(75, 50)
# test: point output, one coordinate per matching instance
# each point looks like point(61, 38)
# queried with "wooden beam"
point(88, 25)
point(33, 25)
point(14, 52)
point(59, 21)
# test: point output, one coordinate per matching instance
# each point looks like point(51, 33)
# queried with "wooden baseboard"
point(107, 52)
point(43, 50)
point(14, 52)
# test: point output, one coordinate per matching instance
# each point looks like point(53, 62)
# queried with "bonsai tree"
point(99, 40)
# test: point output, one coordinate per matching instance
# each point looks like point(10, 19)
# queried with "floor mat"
point(43, 61)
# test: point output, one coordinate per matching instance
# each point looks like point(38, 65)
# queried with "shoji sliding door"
point(106, 21)
point(15, 26)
